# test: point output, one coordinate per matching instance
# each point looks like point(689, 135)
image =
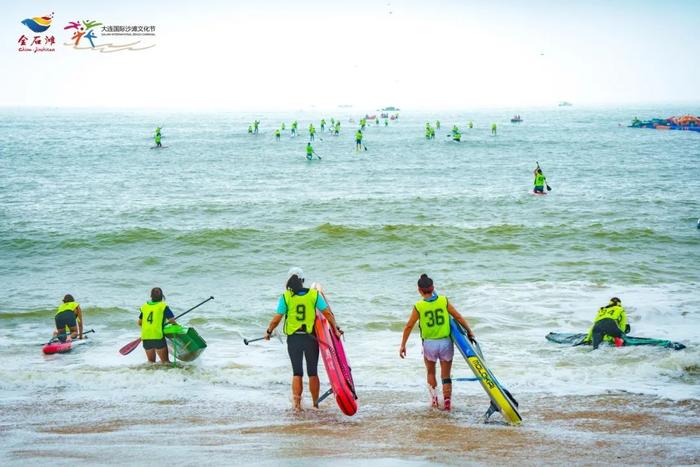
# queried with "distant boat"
point(565, 104)
point(390, 109)
point(516, 119)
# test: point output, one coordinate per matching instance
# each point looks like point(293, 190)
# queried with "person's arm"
point(624, 327)
point(79, 316)
point(169, 316)
point(273, 324)
point(407, 331)
point(455, 314)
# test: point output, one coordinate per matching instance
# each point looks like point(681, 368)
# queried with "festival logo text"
point(37, 42)
point(85, 36)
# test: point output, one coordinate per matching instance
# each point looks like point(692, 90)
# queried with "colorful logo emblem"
point(38, 23)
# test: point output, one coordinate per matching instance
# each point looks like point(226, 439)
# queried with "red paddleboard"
point(57, 347)
point(335, 361)
point(537, 193)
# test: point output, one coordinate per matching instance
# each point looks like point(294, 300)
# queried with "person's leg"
point(151, 355)
point(432, 383)
point(602, 328)
point(445, 372)
point(296, 356)
point(297, 388)
point(163, 354)
point(311, 352)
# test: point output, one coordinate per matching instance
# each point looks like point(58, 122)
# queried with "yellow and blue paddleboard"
point(500, 397)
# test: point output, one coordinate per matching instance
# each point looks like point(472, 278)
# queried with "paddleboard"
point(500, 397)
point(62, 347)
point(335, 361)
point(575, 339)
point(158, 147)
point(537, 193)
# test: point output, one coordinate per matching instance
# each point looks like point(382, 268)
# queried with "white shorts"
point(438, 349)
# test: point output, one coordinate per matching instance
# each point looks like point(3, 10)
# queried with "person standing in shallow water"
point(154, 315)
point(297, 306)
point(432, 314)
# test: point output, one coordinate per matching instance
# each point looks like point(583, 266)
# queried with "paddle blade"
point(128, 348)
point(549, 188)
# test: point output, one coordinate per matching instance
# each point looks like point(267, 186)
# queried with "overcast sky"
point(278, 55)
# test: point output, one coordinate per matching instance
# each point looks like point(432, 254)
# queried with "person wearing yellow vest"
point(540, 180)
point(298, 306)
point(432, 314)
point(69, 318)
point(610, 324)
point(154, 314)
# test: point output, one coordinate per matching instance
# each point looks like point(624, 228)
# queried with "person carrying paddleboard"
point(609, 325)
point(153, 317)
point(298, 306)
point(432, 314)
point(540, 180)
point(68, 319)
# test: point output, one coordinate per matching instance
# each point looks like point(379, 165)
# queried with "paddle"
point(275, 334)
point(56, 337)
point(549, 188)
point(324, 396)
point(128, 348)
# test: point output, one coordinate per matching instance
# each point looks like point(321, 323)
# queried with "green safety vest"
point(539, 180)
point(358, 136)
point(301, 311)
point(69, 306)
point(309, 150)
point(152, 314)
point(616, 313)
point(434, 320)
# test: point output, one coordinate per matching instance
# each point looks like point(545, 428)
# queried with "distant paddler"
point(437, 124)
point(336, 128)
point(610, 324)
point(68, 319)
point(376, 121)
point(493, 129)
point(471, 125)
point(363, 123)
point(433, 313)
point(312, 132)
point(323, 125)
point(386, 122)
point(153, 317)
point(294, 128)
point(250, 129)
point(428, 131)
point(540, 180)
point(358, 140)
point(282, 127)
point(256, 124)
point(456, 134)
point(158, 137)
point(298, 306)
point(277, 135)
point(310, 153)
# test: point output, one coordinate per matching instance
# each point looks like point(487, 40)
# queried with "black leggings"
point(300, 346)
point(605, 327)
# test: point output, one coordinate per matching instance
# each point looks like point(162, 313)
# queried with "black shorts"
point(154, 344)
point(300, 346)
point(65, 318)
point(602, 328)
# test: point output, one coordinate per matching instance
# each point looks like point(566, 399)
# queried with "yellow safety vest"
point(152, 314)
point(70, 306)
point(434, 318)
point(301, 311)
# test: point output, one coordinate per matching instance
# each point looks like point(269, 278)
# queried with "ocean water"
point(88, 208)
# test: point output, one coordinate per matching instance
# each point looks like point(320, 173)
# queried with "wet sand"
point(592, 430)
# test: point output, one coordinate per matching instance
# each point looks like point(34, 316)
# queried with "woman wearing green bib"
point(298, 306)
point(433, 316)
point(69, 318)
point(154, 315)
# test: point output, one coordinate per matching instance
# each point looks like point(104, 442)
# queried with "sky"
point(287, 55)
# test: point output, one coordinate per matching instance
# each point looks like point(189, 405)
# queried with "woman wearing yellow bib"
point(298, 307)
point(433, 316)
point(154, 315)
point(69, 318)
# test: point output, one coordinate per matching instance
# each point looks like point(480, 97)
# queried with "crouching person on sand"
point(153, 317)
point(433, 315)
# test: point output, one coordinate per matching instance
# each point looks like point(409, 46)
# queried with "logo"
point(483, 373)
point(109, 38)
point(37, 24)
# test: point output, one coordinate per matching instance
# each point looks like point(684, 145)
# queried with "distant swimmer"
point(158, 136)
point(358, 140)
point(68, 320)
point(323, 125)
point(471, 125)
point(256, 124)
point(298, 305)
point(277, 135)
point(154, 315)
point(432, 313)
point(540, 181)
point(312, 132)
point(493, 129)
point(610, 325)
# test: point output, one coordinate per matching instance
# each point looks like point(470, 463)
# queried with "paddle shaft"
point(53, 339)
